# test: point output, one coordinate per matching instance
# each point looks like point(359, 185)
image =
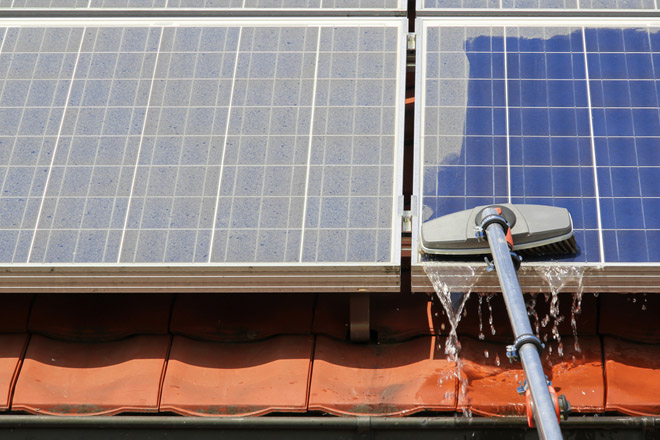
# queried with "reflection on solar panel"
point(547, 115)
point(210, 4)
point(430, 5)
point(239, 143)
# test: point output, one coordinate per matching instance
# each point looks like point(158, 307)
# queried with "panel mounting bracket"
point(412, 41)
point(406, 222)
point(359, 318)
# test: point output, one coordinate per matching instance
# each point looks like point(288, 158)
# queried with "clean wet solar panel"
point(558, 116)
point(430, 5)
point(208, 4)
point(216, 144)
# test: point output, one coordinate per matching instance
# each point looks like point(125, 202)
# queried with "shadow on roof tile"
point(393, 317)
point(381, 379)
point(632, 372)
point(618, 311)
point(241, 317)
point(12, 348)
point(76, 378)
point(15, 312)
point(237, 379)
point(100, 317)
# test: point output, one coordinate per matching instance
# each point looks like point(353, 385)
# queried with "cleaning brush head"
point(537, 230)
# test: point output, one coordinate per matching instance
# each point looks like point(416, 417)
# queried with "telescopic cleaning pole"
point(526, 344)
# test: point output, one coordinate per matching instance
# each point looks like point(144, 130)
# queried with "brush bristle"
point(564, 247)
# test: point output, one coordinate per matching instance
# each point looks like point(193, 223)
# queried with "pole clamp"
point(494, 218)
point(513, 350)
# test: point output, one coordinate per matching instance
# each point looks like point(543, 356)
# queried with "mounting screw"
point(512, 354)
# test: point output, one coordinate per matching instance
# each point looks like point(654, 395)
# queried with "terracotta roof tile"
point(578, 374)
point(231, 379)
point(240, 318)
point(618, 311)
point(12, 348)
point(381, 379)
point(488, 381)
point(76, 378)
point(632, 373)
point(14, 312)
point(103, 317)
point(492, 382)
point(393, 317)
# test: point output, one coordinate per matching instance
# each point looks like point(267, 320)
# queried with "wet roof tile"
point(488, 381)
point(618, 311)
point(103, 317)
point(393, 317)
point(578, 373)
point(237, 318)
point(492, 382)
point(11, 353)
point(231, 379)
point(381, 379)
point(632, 373)
point(14, 312)
point(76, 378)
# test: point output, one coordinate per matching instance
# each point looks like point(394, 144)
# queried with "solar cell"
point(547, 115)
point(431, 5)
point(255, 5)
point(240, 143)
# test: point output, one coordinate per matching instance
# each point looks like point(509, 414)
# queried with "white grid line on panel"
point(309, 146)
point(178, 163)
point(224, 146)
point(139, 150)
point(240, 138)
point(592, 139)
point(57, 141)
point(258, 229)
point(89, 188)
point(506, 116)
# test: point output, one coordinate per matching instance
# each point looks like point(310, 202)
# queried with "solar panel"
point(564, 116)
point(244, 143)
point(326, 5)
point(437, 5)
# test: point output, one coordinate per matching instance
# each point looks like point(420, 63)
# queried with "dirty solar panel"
point(533, 115)
point(209, 4)
point(430, 5)
point(217, 144)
